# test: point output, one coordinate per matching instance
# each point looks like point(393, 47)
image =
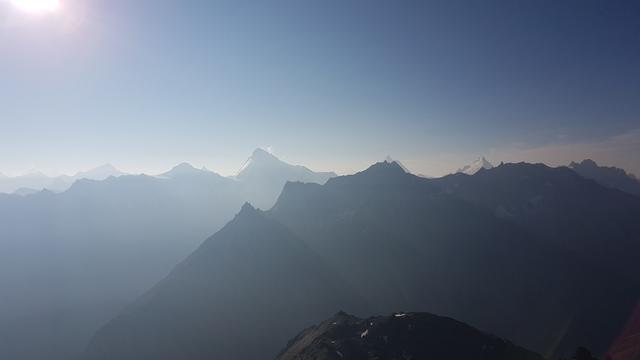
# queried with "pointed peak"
point(259, 157)
point(248, 210)
point(382, 170)
point(247, 206)
point(262, 154)
point(481, 163)
point(181, 169)
point(586, 163)
point(389, 159)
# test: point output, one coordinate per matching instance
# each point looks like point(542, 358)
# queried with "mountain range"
point(70, 261)
point(612, 177)
point(236, 297)
point(539, 255)
point(37, 181)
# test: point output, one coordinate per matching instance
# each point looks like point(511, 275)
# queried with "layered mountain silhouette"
point(399, 336)
point(37, 181)
point(476, 248)
point(236, 297)
point(612, 177)
point(560, 207)
point(70, 261)
point(263, 176)
point(479, 164)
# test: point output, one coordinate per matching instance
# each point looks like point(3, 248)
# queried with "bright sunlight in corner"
point(37, 6)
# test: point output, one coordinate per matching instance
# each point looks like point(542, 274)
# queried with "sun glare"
point(37, 6)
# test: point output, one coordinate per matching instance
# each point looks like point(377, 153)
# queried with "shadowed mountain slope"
point(70, 261)
point(560, 208)
point(401, 242)
point(239, 296)
point(612, 177)
point(412, 243)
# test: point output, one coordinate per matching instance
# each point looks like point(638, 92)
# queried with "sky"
point(333, 84)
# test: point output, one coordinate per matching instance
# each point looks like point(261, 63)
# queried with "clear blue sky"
point(334, 85)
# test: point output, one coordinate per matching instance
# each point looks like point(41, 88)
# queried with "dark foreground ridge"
point(399, 336)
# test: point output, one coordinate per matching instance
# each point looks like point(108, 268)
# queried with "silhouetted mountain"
point(479, 164)
point(39, 181)
point(561, 208)
point(239, 296)
point(390, 160)
point(441, 245)
point(185, 169)
point(612, 177)
point(72, 260)
point(399, 336)
point(436, 250)
point(264, 175)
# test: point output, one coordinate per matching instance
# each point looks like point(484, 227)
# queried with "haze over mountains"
point(37, 181)
point(73, 259)
point(608, 176)
point(511, 250)
point(264, 175)
point(471, 247)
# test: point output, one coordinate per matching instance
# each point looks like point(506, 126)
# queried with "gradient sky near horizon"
point(333, 84)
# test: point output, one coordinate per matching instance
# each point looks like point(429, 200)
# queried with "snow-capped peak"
point(474, 167)
point(258, 156)
point(391, 160)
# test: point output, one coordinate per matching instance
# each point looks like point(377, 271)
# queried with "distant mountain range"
point(374, 242)
point(399, 336)
point(539, 255)
point(612, 177)
point(37, 181)
point(69, 261)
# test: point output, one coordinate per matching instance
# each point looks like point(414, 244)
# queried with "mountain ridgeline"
point(541, 256)
point(37, 181)
point(238, 296)
point(608, 176)
point(70, 261)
